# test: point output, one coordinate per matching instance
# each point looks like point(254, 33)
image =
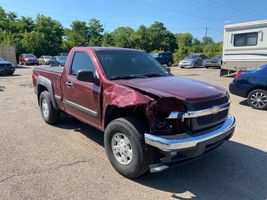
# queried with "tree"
point(95, 30)
point(107, 40)
point(123, 37)
point(141, 38)
point(159, 38)
point(34, 42)
point(78, 34)
point(207, 40)
point(52, 31)
point(24, 24)
point(184, 42)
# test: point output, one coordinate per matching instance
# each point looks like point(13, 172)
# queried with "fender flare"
point(41, 80)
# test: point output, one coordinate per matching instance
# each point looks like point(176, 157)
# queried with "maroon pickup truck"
point(151, 119)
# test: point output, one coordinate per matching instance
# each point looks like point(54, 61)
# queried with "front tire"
point(257, 99)
point(49, 114)
point(126, 149)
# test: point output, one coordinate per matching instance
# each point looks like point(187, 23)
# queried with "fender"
point(41, 80)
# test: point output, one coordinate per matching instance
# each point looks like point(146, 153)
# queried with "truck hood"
point(184, 89)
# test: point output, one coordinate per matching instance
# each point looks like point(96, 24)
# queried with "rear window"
point(29, 56)
point(245, 39)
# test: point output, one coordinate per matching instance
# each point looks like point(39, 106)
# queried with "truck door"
point(81, 99)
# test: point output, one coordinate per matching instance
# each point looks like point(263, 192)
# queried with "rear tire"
point(257, 99)
point(169, 64)
point(49, 114)
point(135, 163)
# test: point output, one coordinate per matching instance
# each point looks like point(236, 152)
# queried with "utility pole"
point(206, 34)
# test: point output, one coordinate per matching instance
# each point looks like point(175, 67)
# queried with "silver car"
point(216, 61)
point(44, 60)
point(192, 61)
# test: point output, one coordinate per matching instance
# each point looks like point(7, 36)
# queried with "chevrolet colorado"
point(151, 119)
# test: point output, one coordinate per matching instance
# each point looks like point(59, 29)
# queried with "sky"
point(178, 16)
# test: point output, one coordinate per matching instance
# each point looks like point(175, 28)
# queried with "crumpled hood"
point(184, 89)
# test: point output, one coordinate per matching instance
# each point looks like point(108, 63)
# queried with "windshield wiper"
point(126, 77)
point(152, 74)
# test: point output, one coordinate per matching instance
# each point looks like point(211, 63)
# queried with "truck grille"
point(208, 121)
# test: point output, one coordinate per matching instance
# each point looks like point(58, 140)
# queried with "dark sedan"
point(58, 61)
point(6, 68)
point(253, 86)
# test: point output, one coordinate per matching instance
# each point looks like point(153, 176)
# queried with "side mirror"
point(86, 76)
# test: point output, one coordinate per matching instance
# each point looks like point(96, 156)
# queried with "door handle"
point(69, 84)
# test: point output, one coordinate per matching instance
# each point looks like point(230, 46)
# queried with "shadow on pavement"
point(233, 171)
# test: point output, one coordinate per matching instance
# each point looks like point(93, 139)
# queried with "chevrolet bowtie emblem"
point(215, 109)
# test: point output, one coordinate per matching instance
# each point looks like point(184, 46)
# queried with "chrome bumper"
point(190, 141)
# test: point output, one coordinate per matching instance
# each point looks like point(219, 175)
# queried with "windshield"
point(191, 57)
point(121, 64)
point(217, 57)
point(154, 55)
point(29, 56)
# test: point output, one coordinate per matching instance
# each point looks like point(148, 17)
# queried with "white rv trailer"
point(244, 46)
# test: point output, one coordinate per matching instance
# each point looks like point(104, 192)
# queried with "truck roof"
point(109, 49)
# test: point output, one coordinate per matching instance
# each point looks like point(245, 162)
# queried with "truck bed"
point(57, 70)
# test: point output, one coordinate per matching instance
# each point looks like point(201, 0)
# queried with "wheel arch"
point(113, 112)
point(259, 87)
point(44, 84)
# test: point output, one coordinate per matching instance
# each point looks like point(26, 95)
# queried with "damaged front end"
point(155, 110)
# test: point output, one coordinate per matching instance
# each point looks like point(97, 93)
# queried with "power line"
point(183, 12)
point(69, 19)
point(220, 5)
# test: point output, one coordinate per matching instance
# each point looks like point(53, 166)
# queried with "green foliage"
point(43, 35)
point(123, 37)
point(34, 42)
point(95, 30)
point(187, 44)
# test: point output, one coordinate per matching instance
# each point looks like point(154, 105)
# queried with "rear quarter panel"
point(55, 79)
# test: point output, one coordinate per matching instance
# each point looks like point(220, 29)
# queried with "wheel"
point(206, 67)
point(195, 65)
point(10, 74)
point(169, 63)
point(126, 149)
point(49, 114)
point(257, 99)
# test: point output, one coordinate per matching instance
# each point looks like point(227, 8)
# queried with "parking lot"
point(68, 161)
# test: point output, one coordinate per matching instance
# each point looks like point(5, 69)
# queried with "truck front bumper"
point(185, 141)
point(182, 148)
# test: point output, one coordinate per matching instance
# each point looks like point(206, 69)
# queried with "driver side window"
point(81, 60)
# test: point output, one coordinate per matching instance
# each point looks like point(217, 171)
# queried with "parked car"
point(28, 59)
point(252, 85)
point(63, 54)
point(193, 60)
point(44, 60)
point(148, 116)
point(6, 68)
point(58, 61)
point(163, 58)
point(216, 61)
